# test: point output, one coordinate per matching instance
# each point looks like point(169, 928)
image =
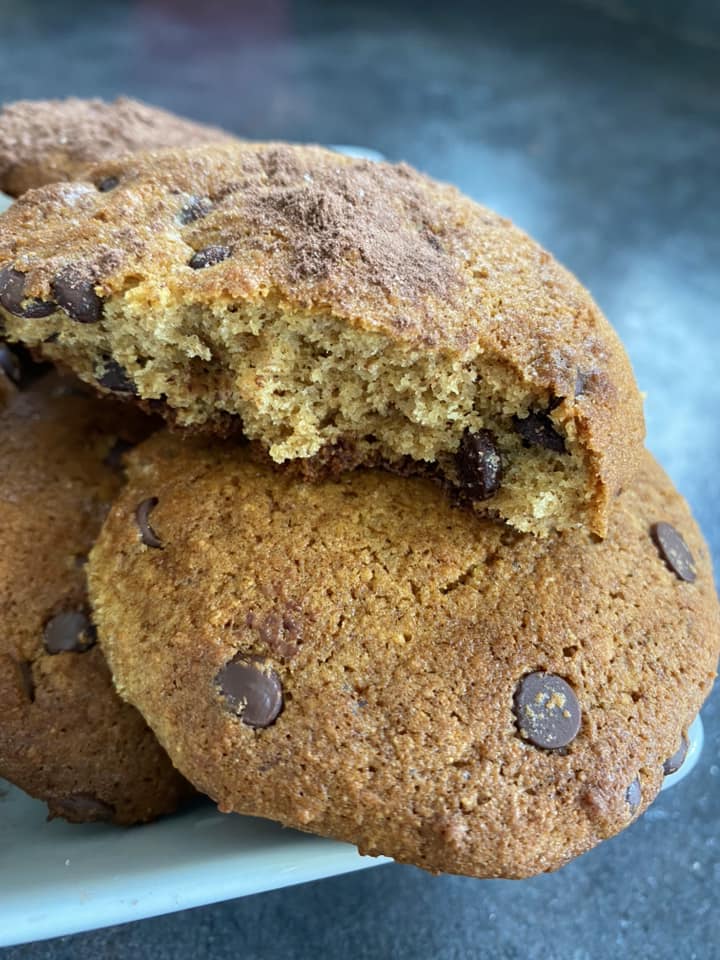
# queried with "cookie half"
point(337, 311)
point(65, 737)
point(44, 141)
point(360, 660)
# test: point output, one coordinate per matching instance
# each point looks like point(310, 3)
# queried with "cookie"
point(338, 312)
point(66, 737)
point(361, 660)
point(44, 141)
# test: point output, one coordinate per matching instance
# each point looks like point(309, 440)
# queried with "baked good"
point(361, 660)
point(65, 737)
point(43, 141)
point(339, 312)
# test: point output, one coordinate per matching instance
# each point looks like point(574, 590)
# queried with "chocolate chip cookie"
point(338, 312)
point(43, 141)
point(65, 737)
point(361, 660)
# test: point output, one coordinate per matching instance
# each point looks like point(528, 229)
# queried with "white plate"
point(58, 878)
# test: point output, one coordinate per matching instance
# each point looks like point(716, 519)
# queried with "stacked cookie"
point(401, 572)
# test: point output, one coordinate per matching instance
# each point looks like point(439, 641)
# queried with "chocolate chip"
point(81, 806)
point(107, 184)
point(26, 679)
point(478, 464)
point(195, 209)
point(253, 693)
point(673, 763)
point(116, 454)
point(209, 256)
point(633, 795)
point(674, 551)
point(142, 517)
point(116, 378)
point(69, 632)
point(19, 367)
point(12, 297)
point(547, 710)
point(537, 430)
point(75, 293)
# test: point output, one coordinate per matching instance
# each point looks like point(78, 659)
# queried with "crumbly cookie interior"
point(306, 385)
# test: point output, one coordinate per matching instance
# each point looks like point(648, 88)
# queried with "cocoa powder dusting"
point(364, 214)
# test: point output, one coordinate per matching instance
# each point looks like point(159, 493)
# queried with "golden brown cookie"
point(360, 660)
point(43, 141)
point(65, 737)
point(339, 312)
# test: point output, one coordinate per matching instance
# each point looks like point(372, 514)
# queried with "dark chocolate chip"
point(81, 806)
point(75, 293)
point(209, 256)
point(674, 551)
point(547, 710)
point(12, 297)
point(537, 430)
point(673, 763)
point(107, 184)
point(116, 378)
point(478, 464)
point(116, 454)
point(26, 679)
point(69, 632)
point(633, 795)
point(252, 692)
point(195, 209)
point(142, 517)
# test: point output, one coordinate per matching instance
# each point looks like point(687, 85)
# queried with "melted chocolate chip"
point(81, 806)
point(547, 710)
point(209, 257)
point(581, 382)
point(195, 209)
point(537, 430)
point(12, 297)
point(673, 763)
point(107, 184)
point(116, 378)
point(478, 464)
point(674, 551)
point(253, 693)
point(69, 632)
point(142, 517)
point(633, 795)
point(76, 295)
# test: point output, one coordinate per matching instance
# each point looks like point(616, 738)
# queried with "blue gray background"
point(595, 126)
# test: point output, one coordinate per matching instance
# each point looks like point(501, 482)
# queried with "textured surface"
point(322, 303)
point(321, 655)
point(600, 138)
point(49, 140)
point(65, 735)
